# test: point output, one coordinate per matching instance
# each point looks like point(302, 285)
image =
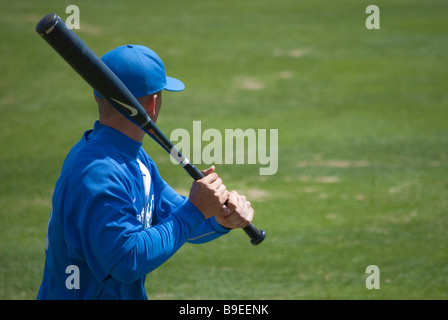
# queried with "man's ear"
point(150, 104)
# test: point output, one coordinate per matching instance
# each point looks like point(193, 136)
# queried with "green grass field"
point(362, 119)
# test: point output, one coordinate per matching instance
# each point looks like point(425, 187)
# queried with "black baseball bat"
point(98, 75)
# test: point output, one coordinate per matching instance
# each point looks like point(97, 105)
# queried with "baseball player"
point(113, 218)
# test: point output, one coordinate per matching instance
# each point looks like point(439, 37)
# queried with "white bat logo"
point(134, 111)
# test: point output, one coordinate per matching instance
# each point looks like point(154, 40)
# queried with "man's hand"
point(209, 194)
point(237, 213)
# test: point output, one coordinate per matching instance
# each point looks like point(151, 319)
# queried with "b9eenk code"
point(245, 309)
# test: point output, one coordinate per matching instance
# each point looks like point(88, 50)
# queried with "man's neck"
point(127, 127)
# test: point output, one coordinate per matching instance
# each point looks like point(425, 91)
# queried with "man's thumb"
point(206, 172)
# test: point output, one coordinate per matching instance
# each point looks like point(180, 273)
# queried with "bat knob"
point(256, 236)
point(259, 239)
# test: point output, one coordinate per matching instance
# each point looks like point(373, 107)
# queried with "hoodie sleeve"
point(134, 251)
point(207, 231)
point(113, 239)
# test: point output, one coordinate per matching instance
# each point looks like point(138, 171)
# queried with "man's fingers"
point(243, 213)
point(222, 194)
point(249, 214)
point(232, 202)
point(209, 178)
point(245, 216)
point(217, 183)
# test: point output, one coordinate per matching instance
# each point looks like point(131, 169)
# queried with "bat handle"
point(256, 236)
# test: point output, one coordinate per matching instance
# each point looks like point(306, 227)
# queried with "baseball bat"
point(98, 75)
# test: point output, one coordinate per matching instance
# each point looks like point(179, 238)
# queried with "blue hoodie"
point(114, 220)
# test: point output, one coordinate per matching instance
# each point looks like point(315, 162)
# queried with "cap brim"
point(173, 84)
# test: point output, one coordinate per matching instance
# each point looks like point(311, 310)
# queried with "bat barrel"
point(91, 68)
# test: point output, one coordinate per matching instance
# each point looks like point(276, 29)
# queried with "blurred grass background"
point(363, 138)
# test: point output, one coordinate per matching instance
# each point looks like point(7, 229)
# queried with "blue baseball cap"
point(141, 70)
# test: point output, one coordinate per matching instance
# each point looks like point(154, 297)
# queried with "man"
point(114, 219)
